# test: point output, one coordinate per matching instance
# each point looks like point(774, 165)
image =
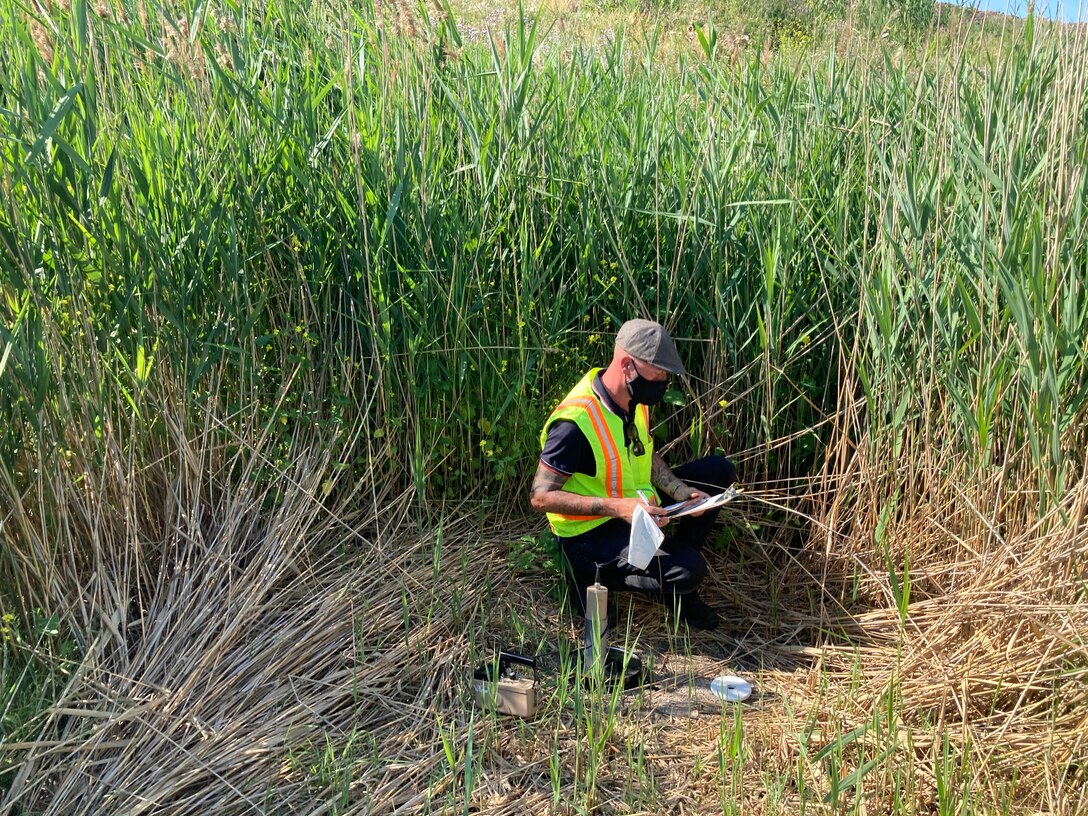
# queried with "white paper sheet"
point(646, 537)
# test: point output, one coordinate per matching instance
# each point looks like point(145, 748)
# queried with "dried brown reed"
point(185, 51)
point(299, 646)
point(310, 657)
point(226, 645)
point(41, 38)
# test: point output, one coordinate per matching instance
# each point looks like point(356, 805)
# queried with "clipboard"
point(686, 508)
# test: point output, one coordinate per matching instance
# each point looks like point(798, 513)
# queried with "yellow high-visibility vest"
point(619, 474)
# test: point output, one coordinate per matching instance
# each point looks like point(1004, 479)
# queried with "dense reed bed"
point(289, 290)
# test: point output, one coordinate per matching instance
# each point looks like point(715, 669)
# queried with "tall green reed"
point(301, 215)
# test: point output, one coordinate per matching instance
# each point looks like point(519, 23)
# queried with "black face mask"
point(646, 392)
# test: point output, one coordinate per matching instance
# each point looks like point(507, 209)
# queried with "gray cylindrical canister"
point(596, 634)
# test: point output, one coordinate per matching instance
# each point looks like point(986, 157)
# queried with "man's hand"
point(625, 509)
point(694, 495)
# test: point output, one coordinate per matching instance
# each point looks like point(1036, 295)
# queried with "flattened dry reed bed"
point(226, 648)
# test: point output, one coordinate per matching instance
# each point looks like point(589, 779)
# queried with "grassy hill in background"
point(764, 27)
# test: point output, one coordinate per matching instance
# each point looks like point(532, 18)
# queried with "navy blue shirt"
point(566, 449)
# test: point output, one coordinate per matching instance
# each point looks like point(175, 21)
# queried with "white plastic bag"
point(646, 537)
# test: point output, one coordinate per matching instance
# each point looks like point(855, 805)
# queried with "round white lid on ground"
point(730, 688)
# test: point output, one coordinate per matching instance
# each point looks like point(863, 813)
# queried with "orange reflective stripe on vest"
point(612, 477)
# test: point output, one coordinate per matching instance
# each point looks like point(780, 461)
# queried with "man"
point(598, 464)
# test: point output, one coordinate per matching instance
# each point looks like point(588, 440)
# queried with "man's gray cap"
point(649, 341)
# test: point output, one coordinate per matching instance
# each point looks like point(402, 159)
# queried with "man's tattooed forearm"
point(546, 481)
point(660, 473)
point(662, 476)
point(548, 496)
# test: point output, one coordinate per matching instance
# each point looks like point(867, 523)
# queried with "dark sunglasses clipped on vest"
point(631, 439)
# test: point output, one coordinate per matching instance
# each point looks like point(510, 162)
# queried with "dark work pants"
point(679, 566)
